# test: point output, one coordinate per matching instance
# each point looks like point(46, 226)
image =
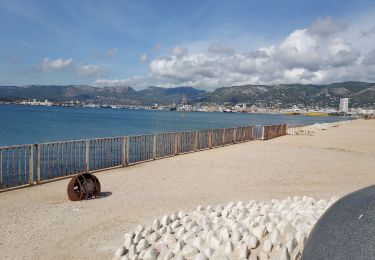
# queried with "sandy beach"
point(41, 223)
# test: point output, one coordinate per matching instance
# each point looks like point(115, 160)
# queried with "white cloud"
point(89, 70)
point(327, 26)
point(143, 58)
point(156, 47)
point(48, 65)
point(179, 51)
point(326, 51)
point(111, 52)
point(219, 48)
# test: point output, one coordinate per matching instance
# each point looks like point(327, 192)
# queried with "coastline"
point(328, 163)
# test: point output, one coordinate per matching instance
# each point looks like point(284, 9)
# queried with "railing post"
point(87, 155)
point(127, 150)
point(196, 141)
point(234, 135)
point(37, 163)
point(123, 151)
point(210, 140)
point(223, 136)
point(263, 132)
point(1, 168)
point(176, 141)
point(154, 147)
point(31, 165)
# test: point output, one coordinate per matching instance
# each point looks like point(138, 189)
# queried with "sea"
point(22, 124)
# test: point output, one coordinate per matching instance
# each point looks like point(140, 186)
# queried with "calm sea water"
point(31, 124)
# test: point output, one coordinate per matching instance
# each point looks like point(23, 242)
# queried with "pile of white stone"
point(311, 129)
point(253, 230)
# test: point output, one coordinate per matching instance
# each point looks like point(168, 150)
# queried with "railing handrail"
point(29, 164)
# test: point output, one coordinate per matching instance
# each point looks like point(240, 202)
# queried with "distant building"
point(184, 101)
point(344, 105)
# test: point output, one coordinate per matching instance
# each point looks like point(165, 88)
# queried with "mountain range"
point(282, 95)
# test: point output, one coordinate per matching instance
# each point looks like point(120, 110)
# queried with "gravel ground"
point(40, 222)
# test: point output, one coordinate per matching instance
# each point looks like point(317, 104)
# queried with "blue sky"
point(206, 44)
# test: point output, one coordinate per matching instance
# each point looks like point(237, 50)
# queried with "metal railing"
point(25, 165)
point(300, 129)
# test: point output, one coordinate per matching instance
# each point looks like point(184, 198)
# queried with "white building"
point(344, 105)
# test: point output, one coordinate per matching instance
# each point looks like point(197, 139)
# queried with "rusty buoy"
point(83, 186)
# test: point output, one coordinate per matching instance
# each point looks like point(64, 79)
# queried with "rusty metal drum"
point(83, 186)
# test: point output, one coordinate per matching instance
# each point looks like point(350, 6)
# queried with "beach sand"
point(41, 223)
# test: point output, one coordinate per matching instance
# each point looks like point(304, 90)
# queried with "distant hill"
point(286, 95)
point(283, 95)
point(112, 94)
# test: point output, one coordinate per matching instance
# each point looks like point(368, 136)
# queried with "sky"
point(204, 44)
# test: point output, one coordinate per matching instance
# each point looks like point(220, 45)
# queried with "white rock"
point(267, 246)
point(168, 256)
point(291, 245)
point(275, 237)
point(186, 220)
point(201, 256)
point(243, 251)
point(178, 247)
point(252, 242)
point(169, 230)
point(208, 251)
point(140, 228)
point(128, 242)
point(301, 238)
point(142, 253)
point(154, 237)
point(180, 257)
point(189, 251)
point(188, 236)
point(215, 242)
point(181, 214)
point(263, 255)
point(125, 257)
point(224, 257)
point(121, 251)
point(303, 227)
point(270, 226)
point(282, 254)
point(161, 247)
point(138, 236)
point(142, 245)
point(260, 231)
point(151, 254)
point(175, 224)
point(180, 231)
point(132, 252)
point(285, 227)
point(264, 220)
point(198, 242)
point(191, 224)
point(130, 234)
point(230, 205)
point(236, 236)
point(163, 230)
point(165, 220)
point(173, 217)
point(224, 233)
point(156, 225)
point(146, 231)
point(229, 248)
point(170, 239)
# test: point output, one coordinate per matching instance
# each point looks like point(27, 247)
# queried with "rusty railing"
point(25, 165)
